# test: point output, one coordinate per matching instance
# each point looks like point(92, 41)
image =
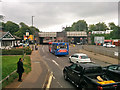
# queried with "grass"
point(9, 64)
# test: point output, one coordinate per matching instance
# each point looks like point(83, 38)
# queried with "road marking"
point(57, 57)
point(49, 81)
point(59, 84)
point(55, 62)
point(42, 49)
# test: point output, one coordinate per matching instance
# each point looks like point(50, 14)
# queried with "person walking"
point(20, 69)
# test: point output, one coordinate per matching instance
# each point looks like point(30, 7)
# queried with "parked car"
point(113, 71)
point(109, 45)
point(79, 57)
point(89, 76)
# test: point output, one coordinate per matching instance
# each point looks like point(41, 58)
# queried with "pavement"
point(37, 77)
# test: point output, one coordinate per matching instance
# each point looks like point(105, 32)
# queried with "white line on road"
point(42, 49)
point(60, 84)
point(57, 57)
point(55, 62)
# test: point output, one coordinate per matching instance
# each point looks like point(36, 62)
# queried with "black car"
point(113, 71)
point(89, 76)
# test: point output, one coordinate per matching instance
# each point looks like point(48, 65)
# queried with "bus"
point(59, 48)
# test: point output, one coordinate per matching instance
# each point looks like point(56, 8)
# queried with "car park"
point(79, 57)
point(113, 71)
point(89, 76)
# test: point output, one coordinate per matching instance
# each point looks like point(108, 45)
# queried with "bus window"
point(62, 46)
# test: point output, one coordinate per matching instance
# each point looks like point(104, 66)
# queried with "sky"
point(52, 15)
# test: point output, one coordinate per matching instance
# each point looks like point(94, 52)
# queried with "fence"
point(101, 50)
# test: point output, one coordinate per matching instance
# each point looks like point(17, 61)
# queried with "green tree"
point(101, 26)
point(68, 29)
point(92, 27)
point(80, 25)
point(112, 26)
point(115, 34)
point(11, 27)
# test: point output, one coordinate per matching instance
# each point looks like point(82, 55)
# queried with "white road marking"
point(57, 57)
point(49, 81)
point(42, 49)
point(55, 62)
point(59, 84)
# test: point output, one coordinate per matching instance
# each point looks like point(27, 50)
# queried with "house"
point(6, 40)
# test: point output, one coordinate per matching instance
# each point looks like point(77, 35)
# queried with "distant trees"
point(11, 27)
point(80, 25)
point(18, 29)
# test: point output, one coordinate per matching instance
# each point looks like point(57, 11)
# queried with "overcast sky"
point(53, 15)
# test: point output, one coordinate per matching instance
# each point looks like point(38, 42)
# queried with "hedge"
point(17, 51)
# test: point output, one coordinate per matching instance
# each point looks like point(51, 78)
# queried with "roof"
point(6, 36)
point(18, 38)
point(79, 54)
point(88, 65)
point(2, 34)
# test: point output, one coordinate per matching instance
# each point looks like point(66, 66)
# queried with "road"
point(56, 65)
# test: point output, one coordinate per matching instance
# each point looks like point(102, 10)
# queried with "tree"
point(112, 25)
point(81, 25)
point(115, 34)
point(11, 27)
point(101, 26)
point(92, 27)
point(68, 29)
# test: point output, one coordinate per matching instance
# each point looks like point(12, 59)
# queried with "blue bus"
point(59, 48)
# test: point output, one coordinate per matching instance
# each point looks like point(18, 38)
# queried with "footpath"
point(100, 57)
point(36, 78)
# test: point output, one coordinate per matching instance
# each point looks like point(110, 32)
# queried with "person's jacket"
point(20, 68)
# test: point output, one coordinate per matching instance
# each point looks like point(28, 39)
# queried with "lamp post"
point(32, 20)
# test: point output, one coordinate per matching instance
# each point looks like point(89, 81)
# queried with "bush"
point(12, 52)
point(19, 51)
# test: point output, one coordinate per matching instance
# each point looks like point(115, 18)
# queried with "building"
point(102, 32)
point(6, 40)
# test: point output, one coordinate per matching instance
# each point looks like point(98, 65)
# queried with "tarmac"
point(38, 76)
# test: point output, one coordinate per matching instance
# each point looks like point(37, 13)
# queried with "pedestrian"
point(20, 69)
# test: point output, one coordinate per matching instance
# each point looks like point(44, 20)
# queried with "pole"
point(32, 20)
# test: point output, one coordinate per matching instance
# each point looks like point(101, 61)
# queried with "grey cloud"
point(49, 14)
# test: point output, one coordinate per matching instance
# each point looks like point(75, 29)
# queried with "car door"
point(76, 74)
point(74, 58)
point(111, 71)
point(70, 71)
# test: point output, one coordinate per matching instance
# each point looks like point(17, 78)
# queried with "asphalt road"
point(56, 65)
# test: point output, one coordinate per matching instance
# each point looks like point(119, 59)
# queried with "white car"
point(79, 57)
point(108, 45)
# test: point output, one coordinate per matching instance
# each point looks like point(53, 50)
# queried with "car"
point(113, 71)
point(109, 45)
point(89, 76)
point(79, 57)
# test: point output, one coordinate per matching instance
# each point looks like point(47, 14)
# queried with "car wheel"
point(77, 62)
point(65, 76)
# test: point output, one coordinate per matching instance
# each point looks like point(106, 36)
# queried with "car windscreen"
point(84, 57)
point(93, 70)
point(60, 46)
